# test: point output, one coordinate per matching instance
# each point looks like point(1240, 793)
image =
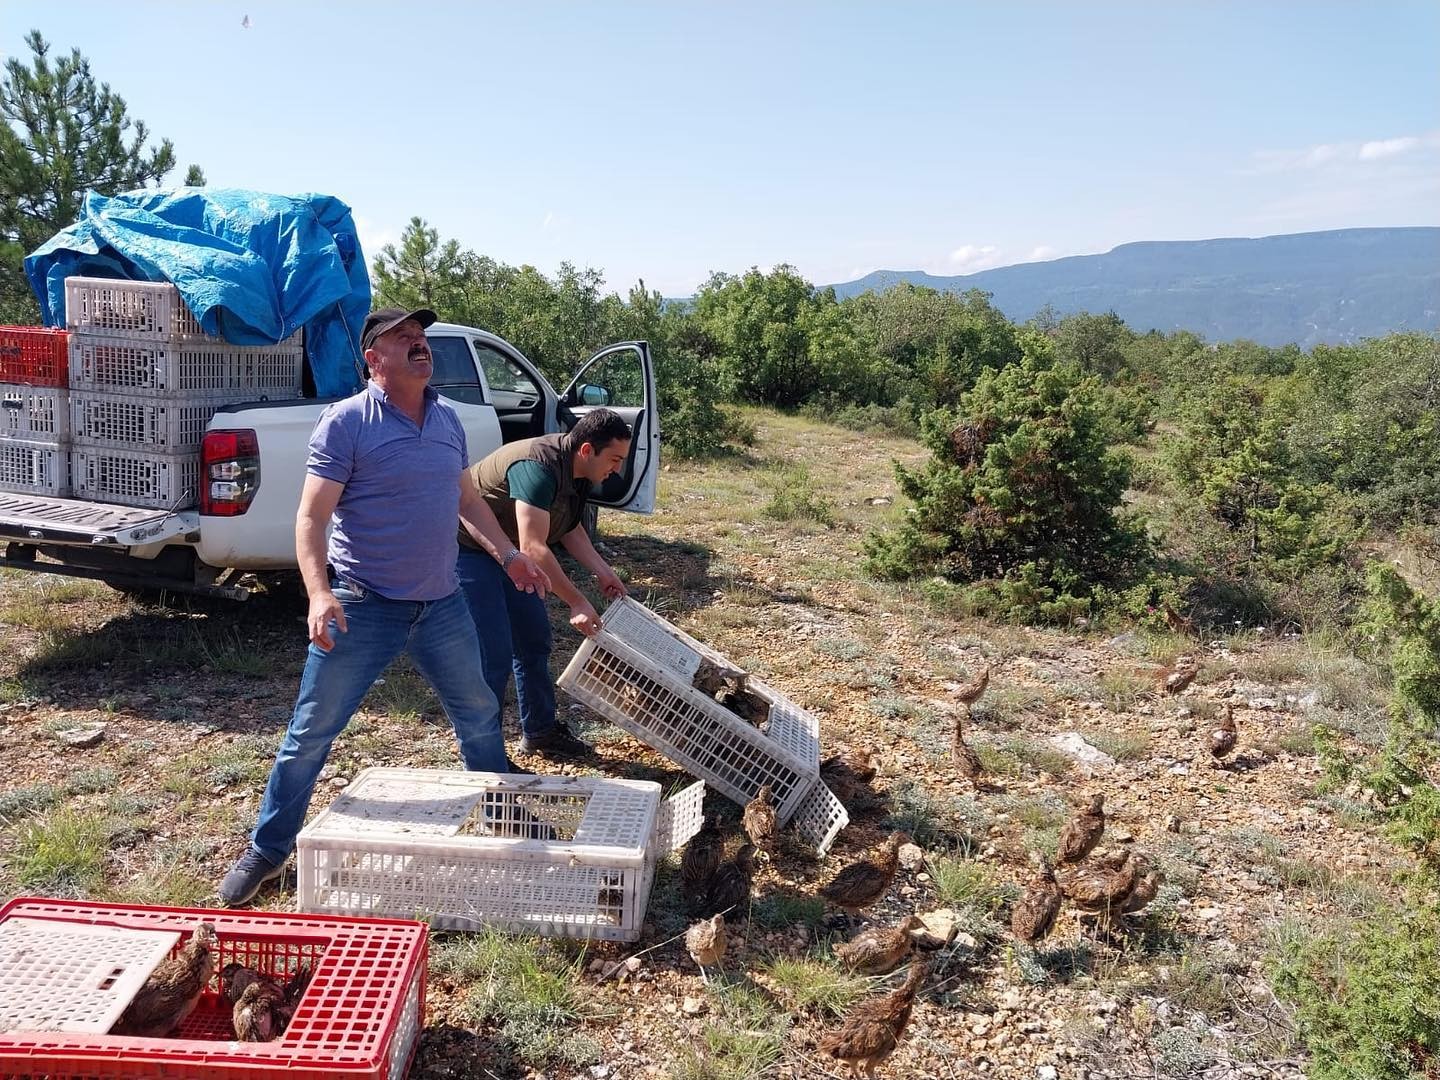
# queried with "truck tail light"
point(229, 472)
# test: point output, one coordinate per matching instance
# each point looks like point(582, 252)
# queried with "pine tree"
point(63, 135)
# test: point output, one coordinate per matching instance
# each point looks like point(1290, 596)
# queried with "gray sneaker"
point(559, 742)
point(250, 871)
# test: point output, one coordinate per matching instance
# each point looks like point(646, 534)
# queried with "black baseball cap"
point(385, 319)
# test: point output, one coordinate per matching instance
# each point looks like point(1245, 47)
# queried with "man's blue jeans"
point(440, 637)
point(519, 643)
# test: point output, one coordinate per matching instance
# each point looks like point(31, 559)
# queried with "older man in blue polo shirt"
point(389, 466)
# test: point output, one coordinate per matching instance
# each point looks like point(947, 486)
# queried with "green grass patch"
point(90, 781)
point(814, 983)
point(1121, 688)
point(936, 822)
point(794, 497)
point(778, 910)
point(1120, 745)
point(528, 987)
point(62, 854)
point(26, 800)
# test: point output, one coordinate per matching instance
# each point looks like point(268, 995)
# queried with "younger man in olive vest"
point(537, 489)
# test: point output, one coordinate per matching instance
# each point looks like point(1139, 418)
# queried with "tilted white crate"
point(560, 856)
point(637, 673)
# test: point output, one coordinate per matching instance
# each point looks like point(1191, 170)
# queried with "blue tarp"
point(252, 267)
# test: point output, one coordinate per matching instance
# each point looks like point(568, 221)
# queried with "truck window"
point(502, 373)
point(454, 374)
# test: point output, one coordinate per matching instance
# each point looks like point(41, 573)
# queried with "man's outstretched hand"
point(525, 574)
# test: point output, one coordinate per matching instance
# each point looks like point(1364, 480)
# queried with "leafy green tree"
point(63, 135)
point(759, 323)
point(1233, 457)
point(1022, 490)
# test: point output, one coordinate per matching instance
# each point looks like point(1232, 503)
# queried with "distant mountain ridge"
point(1309, 288)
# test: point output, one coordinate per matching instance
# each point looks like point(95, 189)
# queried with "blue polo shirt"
point(394, 526)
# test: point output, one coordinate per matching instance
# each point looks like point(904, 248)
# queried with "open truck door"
point(622, 378)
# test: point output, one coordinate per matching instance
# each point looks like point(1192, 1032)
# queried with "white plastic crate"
point(135, 422)
point(34, 413)
point(148, 310)
point(139, 366)
point(34, 468)
point(135, 478)
point(554, 855)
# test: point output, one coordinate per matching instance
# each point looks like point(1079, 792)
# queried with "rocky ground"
point(155, 728)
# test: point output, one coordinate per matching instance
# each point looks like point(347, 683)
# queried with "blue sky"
point(667, 140)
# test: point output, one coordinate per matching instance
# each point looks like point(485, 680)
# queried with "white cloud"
point(1323, 155)
point(972, 257)
point(1042, 253)
point(1383, 148)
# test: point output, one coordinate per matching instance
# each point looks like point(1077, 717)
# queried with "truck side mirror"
point(590, 394)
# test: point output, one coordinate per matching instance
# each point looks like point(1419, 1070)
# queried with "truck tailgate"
point(42, 519)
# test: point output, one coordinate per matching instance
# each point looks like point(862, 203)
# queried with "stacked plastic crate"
point(144, 382)
point(34, 411)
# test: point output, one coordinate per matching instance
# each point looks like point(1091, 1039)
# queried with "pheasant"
point(863, 882)
point(1035, 913)
point(1223, 735)
point(706, 942)
point(1103, 889)
point(1178, 623)
point(1082, 832)
point(879, 950)
point(971, 692)
point(259, 1015)
point(730, 885)
point(871, 1031)
point(849, 774)
point(1174, 680)
point(759, 820)
point(700, 861)
point(173, 989)
point(967, 761)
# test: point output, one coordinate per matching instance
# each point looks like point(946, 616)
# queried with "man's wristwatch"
point(505, 562)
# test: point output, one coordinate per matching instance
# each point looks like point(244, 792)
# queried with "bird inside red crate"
point(173, 989)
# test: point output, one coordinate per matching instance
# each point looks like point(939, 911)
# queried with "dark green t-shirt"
point(531, 483)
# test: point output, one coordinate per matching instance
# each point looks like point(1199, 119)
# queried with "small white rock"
point(911, 857)
point(1046, 1072)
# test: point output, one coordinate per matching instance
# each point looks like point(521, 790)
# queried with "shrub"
point(1367, 996)
point(1021, 495)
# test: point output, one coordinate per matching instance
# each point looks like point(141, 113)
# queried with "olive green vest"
point(556, 454)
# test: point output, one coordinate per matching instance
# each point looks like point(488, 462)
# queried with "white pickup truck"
point(253, 466)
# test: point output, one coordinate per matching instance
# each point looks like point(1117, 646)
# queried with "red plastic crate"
point(34, 355)
point(360, 1016)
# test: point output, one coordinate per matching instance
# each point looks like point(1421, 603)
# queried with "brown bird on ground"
point(1082, 832)
point(871, 1030)
point(700, 860)
point(1173, 680)
point(879, 950)
point(759, 821)
point(259, 1015)
point(706, 941)
point(967, 761)
point(1178, 623)
point(972, 691)
point(1104, 888)
point(1146, 889)
point(730, 885)
point(1035, 912)
point(863, 882)
point(171, 992)
point(849, 774)
point(1223, 735)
